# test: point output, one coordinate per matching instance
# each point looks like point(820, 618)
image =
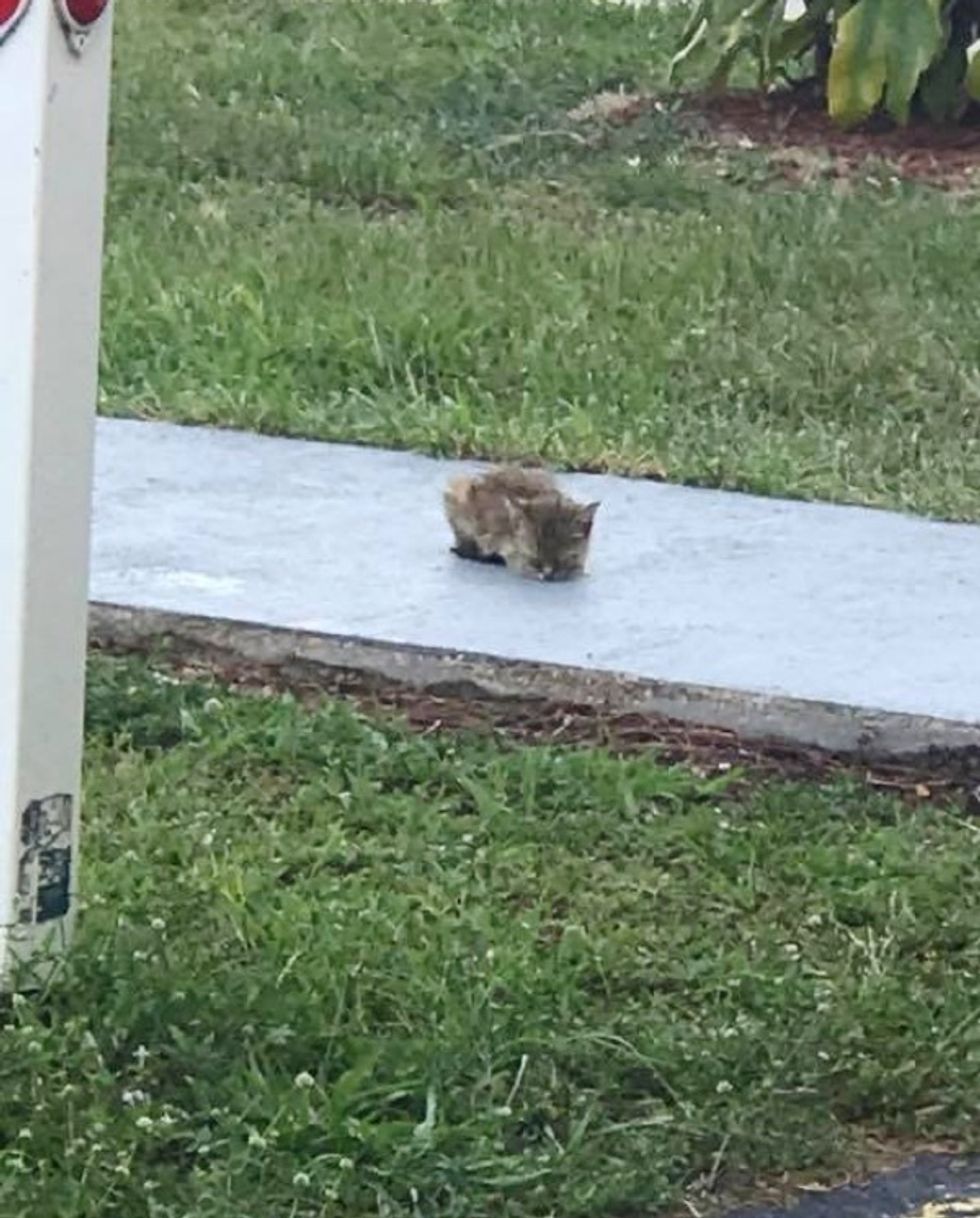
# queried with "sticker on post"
point(11, 14)
point(77, 18)
point(44, 874)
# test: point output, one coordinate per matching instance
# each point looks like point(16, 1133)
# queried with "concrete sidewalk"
point(762, 603)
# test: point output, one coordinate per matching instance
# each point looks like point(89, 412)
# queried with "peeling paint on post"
point(53, 133)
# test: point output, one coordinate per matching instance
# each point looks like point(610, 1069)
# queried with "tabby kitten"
point(519, 517)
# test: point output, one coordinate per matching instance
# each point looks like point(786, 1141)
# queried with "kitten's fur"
point(519, 517)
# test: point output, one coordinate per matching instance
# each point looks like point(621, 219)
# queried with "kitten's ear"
point(587, 516)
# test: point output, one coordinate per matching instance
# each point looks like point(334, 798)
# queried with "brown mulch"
point(940, 776)
point(795, 121)
point(792, 125)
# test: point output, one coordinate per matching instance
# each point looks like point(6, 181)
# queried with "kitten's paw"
point(470, 551)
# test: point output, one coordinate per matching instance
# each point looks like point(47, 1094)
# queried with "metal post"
point(54, 89)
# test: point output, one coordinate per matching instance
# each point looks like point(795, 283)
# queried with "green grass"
point(328, 967)
point(372, 221)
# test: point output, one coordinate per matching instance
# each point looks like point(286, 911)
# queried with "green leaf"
point(882, 47)
point(798, 36)
point(716, 36)
point(772, 30)
point(972, 76)
point(941, 86)
point(693, 38)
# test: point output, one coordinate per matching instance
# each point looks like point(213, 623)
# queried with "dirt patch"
point(792, 125)
point(942, 777)
point(795, 126)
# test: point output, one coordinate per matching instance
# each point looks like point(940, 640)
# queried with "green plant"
point(899, 53)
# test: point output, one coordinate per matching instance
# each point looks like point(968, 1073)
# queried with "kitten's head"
point(552, 534)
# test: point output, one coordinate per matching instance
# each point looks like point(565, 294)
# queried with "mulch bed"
point(792, 125)
point(940, 776)
point(794, 120)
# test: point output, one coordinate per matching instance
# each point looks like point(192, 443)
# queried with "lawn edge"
point(857, 733)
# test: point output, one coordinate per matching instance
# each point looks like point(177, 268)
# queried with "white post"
point(54, 89)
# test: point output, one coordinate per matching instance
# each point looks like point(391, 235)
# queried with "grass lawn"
point(328, 967)
point(369, 220)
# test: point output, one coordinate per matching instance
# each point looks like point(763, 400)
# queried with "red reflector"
point(84, 12)
point(9, 9)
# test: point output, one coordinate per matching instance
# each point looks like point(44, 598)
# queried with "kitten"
point(519, 517)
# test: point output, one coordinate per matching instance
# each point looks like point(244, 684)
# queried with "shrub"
point(903, 54)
